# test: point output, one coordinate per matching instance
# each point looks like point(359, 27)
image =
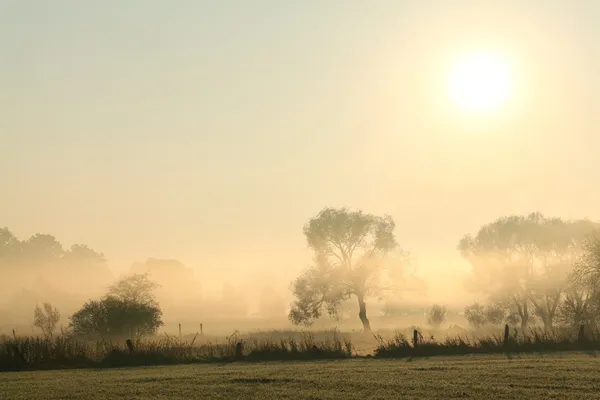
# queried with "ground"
point(556, 376)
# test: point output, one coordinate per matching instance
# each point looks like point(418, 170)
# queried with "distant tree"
point(46, 318)
point(10, 246)
point(436, 315)
point(114, 317)
point(475, 315)
point(525, 261)
point(42, 250)
point(81, 255)
point(494, 315)
point(582, 302)
point(349, 249)
point(136, 288)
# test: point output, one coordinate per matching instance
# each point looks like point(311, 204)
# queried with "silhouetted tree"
point(524, 262)
point(475, 315)
point(137, 288)
point(114, 317)
point(42, 250)
point(349, 248)
point(436, 315)
point(46, 318)
point(582, 303)
point(494, 315)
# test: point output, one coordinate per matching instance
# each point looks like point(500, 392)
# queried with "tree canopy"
point(113, 317)
point(350, 250)
point(524, 262)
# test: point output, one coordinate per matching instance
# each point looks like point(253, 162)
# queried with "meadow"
point(556, 376)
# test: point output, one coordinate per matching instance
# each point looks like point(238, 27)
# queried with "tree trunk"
point(362, 314)
point(547, 323)
point(525, 321)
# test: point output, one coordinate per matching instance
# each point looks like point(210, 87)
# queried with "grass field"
point(556, 376)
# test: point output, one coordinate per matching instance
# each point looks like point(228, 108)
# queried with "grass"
point(398, 346)
point(34, 353)
point(556, 376)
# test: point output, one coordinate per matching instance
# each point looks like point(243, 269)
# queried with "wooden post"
point(130, 346)
point(201, 331)
point(506, 333)
point(179, 330)
point(239, 350)
point(415, 338)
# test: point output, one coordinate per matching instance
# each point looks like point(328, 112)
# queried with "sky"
point(211, 132)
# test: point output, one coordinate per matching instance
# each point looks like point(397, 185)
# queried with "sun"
point(480, 82)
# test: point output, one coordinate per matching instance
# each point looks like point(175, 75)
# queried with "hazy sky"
point(211, 131)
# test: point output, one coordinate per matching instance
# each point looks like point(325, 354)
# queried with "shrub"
point(494, 315)
point(436, 315)
point(114, 317)
point(475, 314)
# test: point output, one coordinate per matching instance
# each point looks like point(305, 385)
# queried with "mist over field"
point(387, 197)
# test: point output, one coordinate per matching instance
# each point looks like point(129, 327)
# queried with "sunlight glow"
point(480, 82)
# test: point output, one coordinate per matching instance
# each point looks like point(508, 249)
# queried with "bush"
point(494, 315)
point(475, 314)
point(114, 317)
point(436, 315)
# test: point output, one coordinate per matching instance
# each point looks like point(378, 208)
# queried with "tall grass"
point(398, 346)
point(24, 353)
point(29, 353)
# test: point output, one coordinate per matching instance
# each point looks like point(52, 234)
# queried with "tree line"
point(531, 269)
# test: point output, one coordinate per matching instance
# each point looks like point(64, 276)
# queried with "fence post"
point(179, 330)
point(130, 346)
point(201, 331)
point(506, 334)
point(415, 338)
point(239, 350)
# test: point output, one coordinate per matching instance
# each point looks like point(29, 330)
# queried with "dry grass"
point(30, 353)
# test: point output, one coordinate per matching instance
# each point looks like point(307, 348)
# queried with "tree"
point(42, 250)
point(46, 319)
point(475, 315)
point(114, 317)
point(136, 288)
point(83, 266)
point(524, 262)
point(494, 315)
point(349, 248)
point(436, 315)
point(10, 246)
point(582, 303)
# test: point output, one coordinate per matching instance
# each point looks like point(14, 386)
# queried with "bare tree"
point(437, 315)
point(46, 318)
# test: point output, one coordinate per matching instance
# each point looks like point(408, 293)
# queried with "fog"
point(195, 142)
